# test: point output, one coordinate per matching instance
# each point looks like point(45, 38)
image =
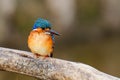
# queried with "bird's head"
point(44, 25)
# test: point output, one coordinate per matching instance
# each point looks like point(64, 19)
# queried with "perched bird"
point(41, 38)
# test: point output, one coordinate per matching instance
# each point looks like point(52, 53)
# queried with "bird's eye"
point(43, 28)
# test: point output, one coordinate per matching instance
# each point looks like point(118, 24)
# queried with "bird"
point(41, 39)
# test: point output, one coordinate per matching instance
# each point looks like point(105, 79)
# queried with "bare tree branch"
point(48, 68)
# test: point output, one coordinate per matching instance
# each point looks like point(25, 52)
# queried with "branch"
point(23, 62)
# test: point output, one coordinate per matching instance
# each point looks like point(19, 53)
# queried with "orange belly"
point(40, 43)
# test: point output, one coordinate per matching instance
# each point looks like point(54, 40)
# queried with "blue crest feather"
point(42, 23)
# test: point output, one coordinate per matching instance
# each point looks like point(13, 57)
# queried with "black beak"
point(54, 32)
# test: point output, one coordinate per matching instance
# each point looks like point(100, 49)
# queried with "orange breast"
point(40, 43)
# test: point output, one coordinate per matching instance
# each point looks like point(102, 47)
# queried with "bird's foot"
point(41, 56)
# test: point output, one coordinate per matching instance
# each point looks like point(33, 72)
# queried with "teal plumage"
point(42, 23)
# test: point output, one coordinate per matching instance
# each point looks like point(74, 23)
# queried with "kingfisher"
point(41, 38)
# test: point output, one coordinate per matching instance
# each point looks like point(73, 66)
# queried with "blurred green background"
point(90, 30)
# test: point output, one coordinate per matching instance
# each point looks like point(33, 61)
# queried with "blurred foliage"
point(88, 11)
